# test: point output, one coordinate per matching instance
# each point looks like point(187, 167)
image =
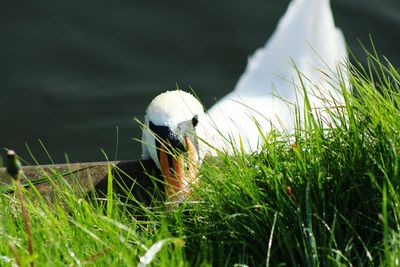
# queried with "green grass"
point(325, 196)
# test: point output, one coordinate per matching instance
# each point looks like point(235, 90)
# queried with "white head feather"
point(168, 109)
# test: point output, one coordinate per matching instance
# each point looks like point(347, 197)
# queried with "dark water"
point(73, 71)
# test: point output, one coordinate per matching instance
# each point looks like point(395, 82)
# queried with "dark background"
point(72, 71)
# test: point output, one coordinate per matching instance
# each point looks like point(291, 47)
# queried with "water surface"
point(73, 71)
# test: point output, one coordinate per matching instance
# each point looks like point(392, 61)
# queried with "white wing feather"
point(305, 36)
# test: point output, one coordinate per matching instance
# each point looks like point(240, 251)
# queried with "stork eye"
point(195, 120)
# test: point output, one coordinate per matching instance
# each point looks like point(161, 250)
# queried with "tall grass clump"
point(326, 195)
point(69, 229)
point(330, 197)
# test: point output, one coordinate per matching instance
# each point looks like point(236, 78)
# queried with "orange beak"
point(178, 179)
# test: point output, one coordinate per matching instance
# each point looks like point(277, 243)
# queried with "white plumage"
point(305, 37)
point(168, 109)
